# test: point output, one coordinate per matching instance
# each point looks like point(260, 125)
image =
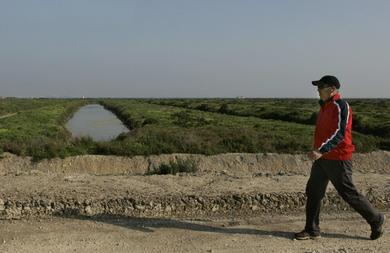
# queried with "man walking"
point(332, 155)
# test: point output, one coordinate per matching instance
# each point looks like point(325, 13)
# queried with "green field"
point(35, 127)
point(371, 116)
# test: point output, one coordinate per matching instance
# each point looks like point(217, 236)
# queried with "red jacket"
point(333, 133)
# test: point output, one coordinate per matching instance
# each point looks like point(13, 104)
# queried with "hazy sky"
point(197, 48)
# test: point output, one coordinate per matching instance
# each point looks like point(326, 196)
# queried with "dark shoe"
point(378, 228)
point(303, 235)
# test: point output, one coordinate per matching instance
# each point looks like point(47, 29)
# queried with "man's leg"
point(315, 191)
point(340, 174)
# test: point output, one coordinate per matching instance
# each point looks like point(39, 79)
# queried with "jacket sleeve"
point(339, 134)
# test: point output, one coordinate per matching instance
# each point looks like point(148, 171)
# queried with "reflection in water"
point(96, 122)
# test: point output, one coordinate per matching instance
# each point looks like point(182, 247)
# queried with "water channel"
point(95, 121)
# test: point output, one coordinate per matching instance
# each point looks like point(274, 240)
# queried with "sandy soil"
point(184, 195)
point(342, 232)
point(233, 204)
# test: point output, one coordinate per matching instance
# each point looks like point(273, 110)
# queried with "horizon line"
point(239, 97)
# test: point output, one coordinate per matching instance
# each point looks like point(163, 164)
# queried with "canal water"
point(97, 122)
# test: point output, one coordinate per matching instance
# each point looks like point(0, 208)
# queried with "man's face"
point(325, 92)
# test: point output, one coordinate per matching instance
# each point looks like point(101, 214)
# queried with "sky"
point(193, 48)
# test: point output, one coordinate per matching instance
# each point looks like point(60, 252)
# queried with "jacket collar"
point(331, 99)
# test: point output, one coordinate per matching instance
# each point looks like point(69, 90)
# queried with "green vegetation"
point(180, 166)
point(193, 131)
point(371, 116)
point(292, 110)
point(35, 127)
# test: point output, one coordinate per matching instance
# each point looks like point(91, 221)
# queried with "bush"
point(240, 142)
point(224, 109)
point(187, 119)
point(14, 147)
point(182, 118)
point(385, 145)
point(149, 121)
point(187, 166)
point(45, 148)
point(365, 143)
point(203, 107)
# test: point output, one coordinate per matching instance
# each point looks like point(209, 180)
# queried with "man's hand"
point(314, 155)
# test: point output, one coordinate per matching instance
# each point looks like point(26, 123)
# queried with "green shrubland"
point(163, 126)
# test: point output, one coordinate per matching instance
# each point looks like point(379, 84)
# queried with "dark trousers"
point(339, 172)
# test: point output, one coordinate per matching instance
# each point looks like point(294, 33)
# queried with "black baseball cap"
point(327, 81)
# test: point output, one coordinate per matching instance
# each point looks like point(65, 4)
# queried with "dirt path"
point(342, 232)
point(226, 207)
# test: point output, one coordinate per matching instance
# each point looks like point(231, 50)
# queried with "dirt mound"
point(226, 184)
point(166, 196)
point(233, 163)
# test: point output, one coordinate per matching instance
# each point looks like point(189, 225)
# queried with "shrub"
point(187, 119)
point(224, 109)
point(149, 121)
point(365, 143)
point(182, 118)
point(384, 144)
point(187, 166)
point(14, 147)
point(203, 107)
